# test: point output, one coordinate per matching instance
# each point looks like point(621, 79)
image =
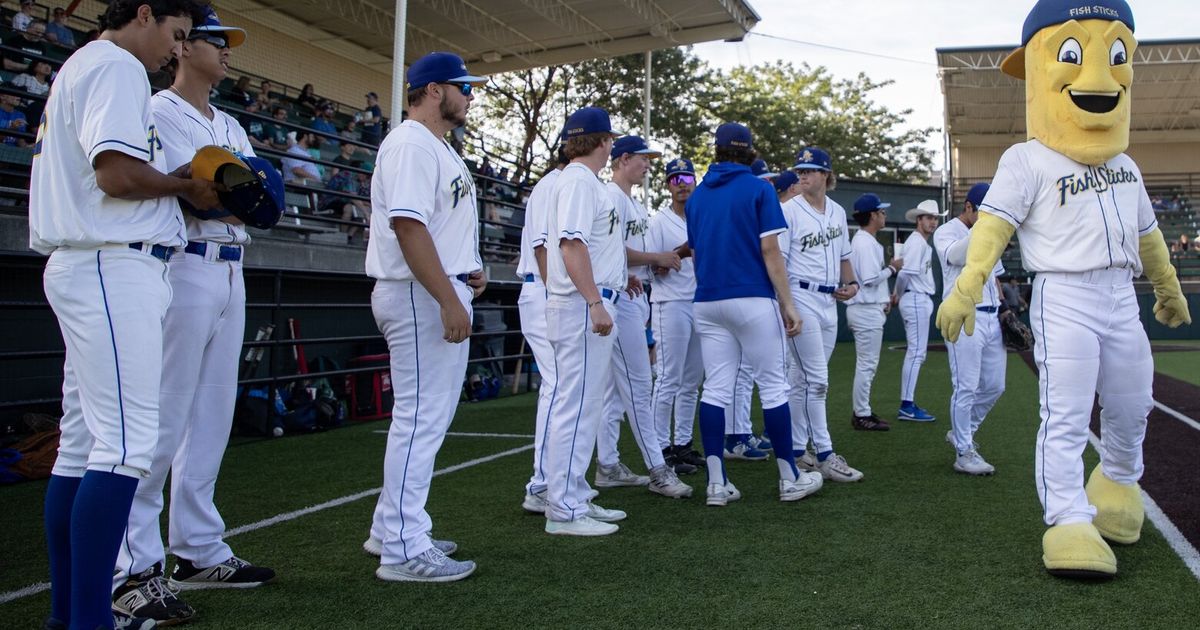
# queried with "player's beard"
point(446, 109)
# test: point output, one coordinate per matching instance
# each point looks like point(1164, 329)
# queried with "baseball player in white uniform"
point(679, 364)
point(866, 313)
point(978, 361)
point(817, 249)
point(531, 305)
point(105, 211)
point(630, 387)
point(202, 336)
point(585, 277)
point(913, 293)
point(743, 308)
point(423, 252)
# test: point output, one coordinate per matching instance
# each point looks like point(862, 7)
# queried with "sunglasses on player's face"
point(681, 180)
point(218, 42)
point(465, 88)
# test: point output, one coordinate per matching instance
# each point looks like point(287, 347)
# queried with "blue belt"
point(819, 288)
point(463, 277)
point(610, 295)
point(161, 252)
point(529, 277)
point(232, 253)
point(987, 309)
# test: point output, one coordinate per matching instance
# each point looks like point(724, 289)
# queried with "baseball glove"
point(1016, 334)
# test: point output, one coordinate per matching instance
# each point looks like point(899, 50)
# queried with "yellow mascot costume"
point(1080, 210)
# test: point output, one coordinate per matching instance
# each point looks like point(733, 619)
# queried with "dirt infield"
point(1171, 450)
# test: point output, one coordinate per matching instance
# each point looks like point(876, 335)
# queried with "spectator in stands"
point(371, 120)
point(265, 97)
point(28, 40)
point(22, 19)
point(323, 121)
point(12, 119)
point(57, 30)
point(351, 132)
point(255, 128)
point(346, 155)
point(298, 167)
point(347, 209)
point(277, 133)
point(36, 81)
point(1183, 244)
point(486, 169)
point(240, 93)
point(1012, 295)
point(307, 102)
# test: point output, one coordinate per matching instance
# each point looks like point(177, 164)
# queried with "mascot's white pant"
point(680, 371)
point(915, 310)
point(532, 307)
point(866, 321)
point(808, 369)
point(202, 337)
point(584, 361)
point(977, 366)
point(631, 387)
point(427, 377)
point(1088, 339)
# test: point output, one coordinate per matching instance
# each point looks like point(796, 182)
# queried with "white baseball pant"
point(680, 371)
point(915, 310)
point(630, 388)
point(532, 307)
point(1088, 339)
point(977, 366)
point(584, 361)
point(202, 337)
point(866, 321)
point(737, 415)
point(110, 303)
point(427, 376)
point(808, 369)
point(736, 329)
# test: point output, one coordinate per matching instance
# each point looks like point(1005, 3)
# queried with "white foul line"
point(1177, 415)
point(34, 589)
point(485, 435)
point(1179, 544)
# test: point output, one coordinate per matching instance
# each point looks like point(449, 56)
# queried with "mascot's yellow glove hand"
point(989, 237)
point(1170, 307)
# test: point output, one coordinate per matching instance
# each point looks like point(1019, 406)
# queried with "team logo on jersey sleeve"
point(153, 142)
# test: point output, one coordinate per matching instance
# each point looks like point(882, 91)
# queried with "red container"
point(370, 392)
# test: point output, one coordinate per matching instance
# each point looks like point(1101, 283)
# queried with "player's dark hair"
point(863, 218)
point(737, 155)
point(122, 12)
point(580, 146)
point(560, 155)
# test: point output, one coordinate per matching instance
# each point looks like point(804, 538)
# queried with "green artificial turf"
point(1184, 366)
point(914, 545)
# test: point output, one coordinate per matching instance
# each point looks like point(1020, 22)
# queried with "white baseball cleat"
point(807, 461)
point(431, 566)
point(535, 503)
point(374, 546)
point(617, 476)
point(972, 463)
point(805, 484)
point(721, 494)
point(582, 526)
point(664, 481)
point(604, 515)
point(835, 468)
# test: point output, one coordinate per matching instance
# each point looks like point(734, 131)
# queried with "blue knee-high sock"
point(778, 423)
point(97, 523)
point(712, 435)
point(60, 499)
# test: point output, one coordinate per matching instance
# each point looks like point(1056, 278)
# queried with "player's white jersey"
point(533, 233)
point(637, 224)
point(918, 263)
point(950, 241)
point(815, 243)
point(866, 257)
point(1053, 201)
point(582, 209)
point(419, 176)
point(183, 130)
point(668, 231)
point(100, 102)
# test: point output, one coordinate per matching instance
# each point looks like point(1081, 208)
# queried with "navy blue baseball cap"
point(632, 144)
point(440, 67)
point(760, 169)
point(734, 135)
point(234, 36)
point(977, 193)
point(253, 188)
point(785, 181)
point(812, 158)
point(1050, 12)
point(587, 120)
point(680, 165)
point(870, 202)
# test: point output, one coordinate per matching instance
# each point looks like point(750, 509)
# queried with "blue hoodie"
point(727, 216)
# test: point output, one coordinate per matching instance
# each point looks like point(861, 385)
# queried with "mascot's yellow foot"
point(1077, 551)
point(1119, 509)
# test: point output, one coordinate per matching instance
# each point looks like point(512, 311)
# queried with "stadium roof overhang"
point(985, 107)
point(501, 35)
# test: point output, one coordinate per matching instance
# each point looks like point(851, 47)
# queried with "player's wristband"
point(852, 283)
